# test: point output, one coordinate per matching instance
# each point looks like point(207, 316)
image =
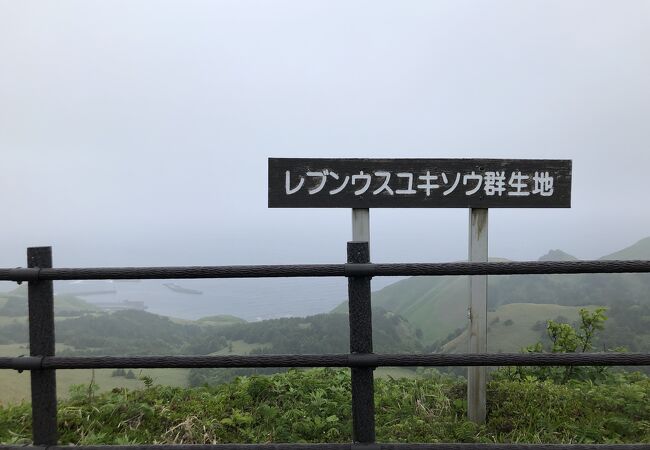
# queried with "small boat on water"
point(180, 289)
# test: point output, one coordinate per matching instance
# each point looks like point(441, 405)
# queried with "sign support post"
point(361, 225)
point(477, 376)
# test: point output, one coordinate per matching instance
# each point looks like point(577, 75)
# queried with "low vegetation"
point(550, 405)
point(314, 406)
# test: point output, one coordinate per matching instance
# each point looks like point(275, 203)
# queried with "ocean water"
point(251, 299)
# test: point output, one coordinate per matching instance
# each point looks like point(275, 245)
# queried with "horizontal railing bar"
point(510, 268)
point(142, 273)
point(333, 360)
point(327, 270)
point(355, 446)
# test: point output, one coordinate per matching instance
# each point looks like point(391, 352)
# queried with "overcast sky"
point(138, 132)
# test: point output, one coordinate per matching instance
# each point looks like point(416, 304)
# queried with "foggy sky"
point(138, 132)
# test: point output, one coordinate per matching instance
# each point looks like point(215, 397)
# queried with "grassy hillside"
point(322, 333)
point(14, 303)
point(438, 305)
point(221, 320)
point(133, 332)
point(65, 379)
point(639, 250)
point(514, 326)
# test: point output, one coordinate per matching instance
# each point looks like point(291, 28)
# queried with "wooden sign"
point(419, 183)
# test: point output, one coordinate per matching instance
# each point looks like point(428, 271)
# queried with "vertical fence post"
point(363, 389)
point(40, 299)
point(477, 376)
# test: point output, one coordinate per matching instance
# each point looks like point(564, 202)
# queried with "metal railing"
point(43, 363)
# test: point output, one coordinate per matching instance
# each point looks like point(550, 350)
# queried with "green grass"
point(8, 320)
point(20, 384)
point(436, 305)
point(21, 349)
point(5, 320)
point(315, 406)
point(240, 348)
point(220, 320)
point(511, 338)
point(395, 372)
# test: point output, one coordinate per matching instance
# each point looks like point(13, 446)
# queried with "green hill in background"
point(14, 304)
point(221, 320)
point(133, 332)
point(640, 250)
point(438, 305)
point(557, 255)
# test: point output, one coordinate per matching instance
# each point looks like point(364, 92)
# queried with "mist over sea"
point(249, 299)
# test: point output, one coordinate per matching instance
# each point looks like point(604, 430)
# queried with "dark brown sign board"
point(419, 183)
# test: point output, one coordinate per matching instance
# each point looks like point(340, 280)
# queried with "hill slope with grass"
point(514, 324)
point(14, 304)
point(132, 332)
point(438, 305)
point(639, 250)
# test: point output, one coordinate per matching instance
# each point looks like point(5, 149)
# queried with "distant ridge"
point(438, 304)
point(639, 250)
point(557, 255)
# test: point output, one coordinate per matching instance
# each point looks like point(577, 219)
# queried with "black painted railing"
point(42, 363)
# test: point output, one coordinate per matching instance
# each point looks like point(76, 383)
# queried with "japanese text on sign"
point(419, 183)
point(492, 183)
